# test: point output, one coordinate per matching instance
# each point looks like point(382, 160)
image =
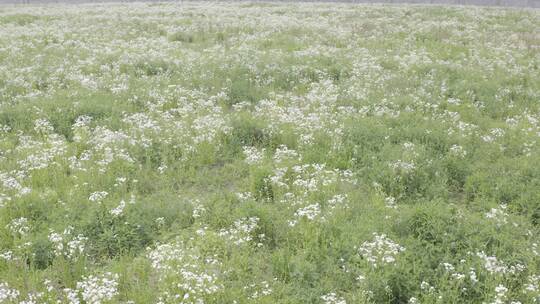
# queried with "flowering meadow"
point(230, 153)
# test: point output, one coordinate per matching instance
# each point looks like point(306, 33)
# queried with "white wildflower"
point(116, 212)
point(310, 212)
point(390, 202)
point(333, 298)
point(253, 155)
point(98, 289)
point(241, 231)
point(98, 196)
point(42, 125)
point(8, 294)
point(380, 251)
point(458, 151)
point(19, 226)
point(498, 215)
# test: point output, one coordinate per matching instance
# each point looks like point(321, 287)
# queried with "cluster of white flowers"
point(163, 255)
point(533, 284)
point(244, 196)
point(198, 208)
point(98, 196)
point(451, 270)
point(253, 155)
point(82, 121)
point(142, 121)
point(120, 181)
point(43, 126)
point(7, 255)
point(4, 128)
point(283, 153)
point(458, 151)
point(308, 178)
point(402, 166)
point(448, 267)
point(310, 212)
point(162, 168)
point(40, 155)
point(390, 202)
point(498, 215)
point(472, 276)
point(19, 226)
point(117, 211)
point(426, 287)
point(500, 295)
point(494, 266)
point(71, 296)
point(65, 244)
point(534, 249)
point(413, 300)
point(193, 276)
point(408, 146)
point(256, 291)
point(241, 231)
point(333, 298)
point(99, 289)
point(493, 135)
point(11, 183)
point(33, 298)
point(338, 200)
point(380, 251)
point(4, 199)
point(8, 294)
point(301, 180)
point(208, 127)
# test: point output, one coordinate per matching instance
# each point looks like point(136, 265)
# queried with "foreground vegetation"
point(269, 153)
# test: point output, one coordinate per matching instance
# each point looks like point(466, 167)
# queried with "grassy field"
point(269, 153)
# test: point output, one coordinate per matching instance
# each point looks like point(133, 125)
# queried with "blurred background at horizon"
point(504, 3)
